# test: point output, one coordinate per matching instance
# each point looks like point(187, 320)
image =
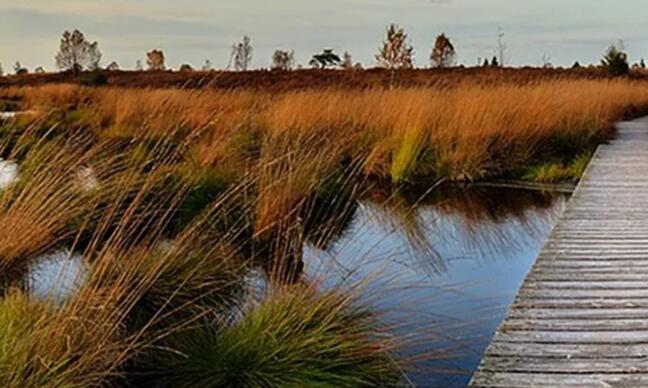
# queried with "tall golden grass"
point(145, 288)
point(470, 131)
point(251, 170)
point(291, 140)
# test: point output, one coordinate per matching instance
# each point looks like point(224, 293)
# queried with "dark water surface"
point(445, 272)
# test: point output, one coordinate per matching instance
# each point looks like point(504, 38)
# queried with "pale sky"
point(190, 31)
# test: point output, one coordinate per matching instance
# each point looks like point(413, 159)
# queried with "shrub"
point(94, 79)
point(615, 61)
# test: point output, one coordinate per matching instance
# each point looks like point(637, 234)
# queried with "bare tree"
point(443, 53)
point(155, 60)
point(501, 48)
point(138, 65)
point(39, 70)
point(347, 61)
point(76, 53)
point(396, 51)
point(1, 71)
point(283, 60)
point(546, 61)
point(242, 54)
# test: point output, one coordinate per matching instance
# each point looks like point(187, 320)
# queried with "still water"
point(442, 268)
point(443, 273)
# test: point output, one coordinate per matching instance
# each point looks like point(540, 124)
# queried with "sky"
point(191, 31)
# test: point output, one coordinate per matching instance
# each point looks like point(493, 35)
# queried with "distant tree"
point(76, 53)
point(155, 60)
point(615, 60)
point(138, 65)
point(576, 65)
point(443, 53)
point(546, 61)
point(358, 66)
point(1, 71)
point(113, 66)
point(347, 61)
point(396, 51)
point(283, 60)
point(327, 58)
point(642, 64)
point(19, 70)
point(242, 54)
point(501, 48)
point(185, 68)
point(486, 63)
point(39, 70)
point(495, 62)
point(207, 66)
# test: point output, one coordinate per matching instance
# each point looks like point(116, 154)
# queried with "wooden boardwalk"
point(581, 316)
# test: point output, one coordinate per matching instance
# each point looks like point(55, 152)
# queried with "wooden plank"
point(568, 351)
point(570, 365)
point(574, 337)
point(602, 324)
point(534, 380)
point(581, 317)
point(580, 313)
point(583, 303)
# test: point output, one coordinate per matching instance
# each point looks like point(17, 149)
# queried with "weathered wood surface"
point(581, 316)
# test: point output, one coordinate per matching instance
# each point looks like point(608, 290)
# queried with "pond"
point(442, 268)
point(444, 273)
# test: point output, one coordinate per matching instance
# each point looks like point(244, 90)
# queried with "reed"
point(467, 132)
point(191, 189)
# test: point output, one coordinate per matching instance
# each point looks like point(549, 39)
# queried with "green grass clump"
point(295, 338)
point(555, 172)
point(18, 317)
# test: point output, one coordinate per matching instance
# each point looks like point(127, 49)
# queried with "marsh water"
point(441, 268)
point(443, 273)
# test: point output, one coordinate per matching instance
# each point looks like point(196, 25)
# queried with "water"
point(8, 173)
point(56, 276)
point(444, 273)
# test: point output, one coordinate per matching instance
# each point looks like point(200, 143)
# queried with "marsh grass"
point(146, 286)
point(296, 337)
point(558, 171)
point(467, 132)
point(193, 188)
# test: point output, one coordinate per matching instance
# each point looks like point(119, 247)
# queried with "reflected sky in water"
point(56, 276)
point(444, 273)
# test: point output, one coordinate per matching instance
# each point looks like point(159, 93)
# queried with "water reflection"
point(444, 266)
point(56, 276)
point(8, 173)
point(7, 115)
point(444, 271)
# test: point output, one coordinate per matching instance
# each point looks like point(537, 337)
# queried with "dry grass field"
point(171, 195)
